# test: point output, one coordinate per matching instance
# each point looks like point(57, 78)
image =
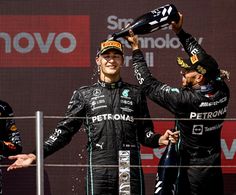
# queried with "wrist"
point(180, 32)
point(134, 47)
point(160, 141)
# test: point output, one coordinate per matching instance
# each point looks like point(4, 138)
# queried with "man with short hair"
point(203, 99)
point(109, 109)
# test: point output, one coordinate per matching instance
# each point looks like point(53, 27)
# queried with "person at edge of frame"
point(108, 109)
point(10, 140)
point(203, 99)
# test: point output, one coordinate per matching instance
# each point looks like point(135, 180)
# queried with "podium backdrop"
point(48, 48)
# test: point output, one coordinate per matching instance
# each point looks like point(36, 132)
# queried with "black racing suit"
point(200, 142)
point(10, 142)
point(109, 112)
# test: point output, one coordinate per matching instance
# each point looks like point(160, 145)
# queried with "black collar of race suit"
point(114, 85)
point(208, 90)
point(205, 88)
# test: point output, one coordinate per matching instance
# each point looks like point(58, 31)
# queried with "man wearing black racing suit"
point(202, 99)
point(108, 110)
point(10, 142)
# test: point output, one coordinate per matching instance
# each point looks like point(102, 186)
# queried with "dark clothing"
point(108, 113)
point(204, 179)
point(10, 142)
point(199, 137)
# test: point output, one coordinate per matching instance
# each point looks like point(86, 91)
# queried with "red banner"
point(228, 146)
point(45, 41)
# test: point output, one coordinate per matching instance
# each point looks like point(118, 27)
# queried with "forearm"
point(190, 44)
point(141, 70)
point(153, 141)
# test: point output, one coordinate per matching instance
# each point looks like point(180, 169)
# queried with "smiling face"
point(109, 64)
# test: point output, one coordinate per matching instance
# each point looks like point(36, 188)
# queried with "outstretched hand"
point(22, 161)
point(169, 136)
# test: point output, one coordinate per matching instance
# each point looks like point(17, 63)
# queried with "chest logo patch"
point(125, 93)
point(97, 92)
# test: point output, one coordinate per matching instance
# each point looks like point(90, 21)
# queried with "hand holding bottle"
point(132, 40)
point(169, 135)
point(177, 26)
point(167, 168)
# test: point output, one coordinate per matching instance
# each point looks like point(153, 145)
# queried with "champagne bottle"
point(151, 21)
point(167, 171)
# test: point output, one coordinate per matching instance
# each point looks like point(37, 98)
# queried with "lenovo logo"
point(26, 42)
point(45, 41)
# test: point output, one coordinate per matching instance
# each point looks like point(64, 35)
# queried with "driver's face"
point(110, 64)
point(189, 78)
